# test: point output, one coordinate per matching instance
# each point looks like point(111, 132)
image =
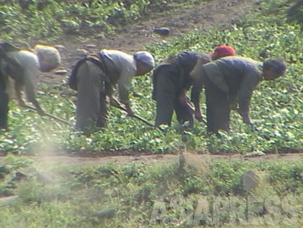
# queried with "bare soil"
point(134, 37)
point(55, 160)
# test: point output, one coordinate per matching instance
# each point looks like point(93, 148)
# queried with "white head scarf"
point(145, 57)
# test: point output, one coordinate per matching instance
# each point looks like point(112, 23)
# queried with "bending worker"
point(24, 68)
point(171, 81)
point(4, 97)
point(95, 78)
point(230, 82)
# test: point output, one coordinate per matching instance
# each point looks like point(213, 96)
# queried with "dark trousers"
point(3, 109)
point(166, 91)
point(91, 99)
point(4, 99)
point(217, 104)
point(184, 113)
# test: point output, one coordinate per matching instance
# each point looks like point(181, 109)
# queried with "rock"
point(250, 181)
point(162, 31)
point(60, 47)
point(60, 72)
point(99, 36)
point(264, 54)
point(255, 154)
point(107, 213)
point(49, 57)
point(19, 176)
point(90, 46)
point(82, 52)
point(70, 26)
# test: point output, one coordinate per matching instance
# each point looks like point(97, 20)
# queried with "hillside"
point(138, 34)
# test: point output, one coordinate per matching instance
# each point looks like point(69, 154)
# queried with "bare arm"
point(30, 91)
point(195, 98)
point(249, 83)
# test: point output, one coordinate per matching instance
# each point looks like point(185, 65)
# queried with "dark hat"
point(8, 47)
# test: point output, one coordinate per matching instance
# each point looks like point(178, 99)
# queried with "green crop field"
point(190, 192)
point(276, 106)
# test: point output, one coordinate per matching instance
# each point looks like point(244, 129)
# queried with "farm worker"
point(95, 78)
point(171, 81)
point(220, 52)
point(4, 97)
point(23, 66)
point(230, 82)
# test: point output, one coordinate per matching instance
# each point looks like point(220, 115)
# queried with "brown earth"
point(135, 36)
point(55, 160)
point(214, 13)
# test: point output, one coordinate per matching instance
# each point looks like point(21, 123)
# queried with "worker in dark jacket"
point(171, 81)
point(6, 63)
point(3, 93)
point(230, 82)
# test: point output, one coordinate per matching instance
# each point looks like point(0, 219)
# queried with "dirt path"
point(55, 160)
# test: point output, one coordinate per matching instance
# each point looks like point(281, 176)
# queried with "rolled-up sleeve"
point(124, 85)
point(31, 74)
point(123, 67)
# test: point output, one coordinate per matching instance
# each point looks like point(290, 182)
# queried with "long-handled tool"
point(140, 118)
point(51, 116)
point(266, 137)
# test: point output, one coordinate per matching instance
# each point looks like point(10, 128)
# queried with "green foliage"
point(13, 163)
point(291, 174)
point(130, 195)
point(112, 195)
point(275, 107)
point(50, 19)
point(9, 167)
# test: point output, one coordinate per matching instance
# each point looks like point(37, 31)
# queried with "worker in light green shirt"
point(171, 81)
point(229, 82)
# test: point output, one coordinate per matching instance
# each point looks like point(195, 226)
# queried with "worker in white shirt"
point(95, 78)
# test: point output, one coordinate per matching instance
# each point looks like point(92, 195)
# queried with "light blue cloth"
point(145, 57)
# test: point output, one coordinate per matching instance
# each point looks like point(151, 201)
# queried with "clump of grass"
point(135, 193)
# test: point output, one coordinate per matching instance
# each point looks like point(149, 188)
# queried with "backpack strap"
point(72, 80)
